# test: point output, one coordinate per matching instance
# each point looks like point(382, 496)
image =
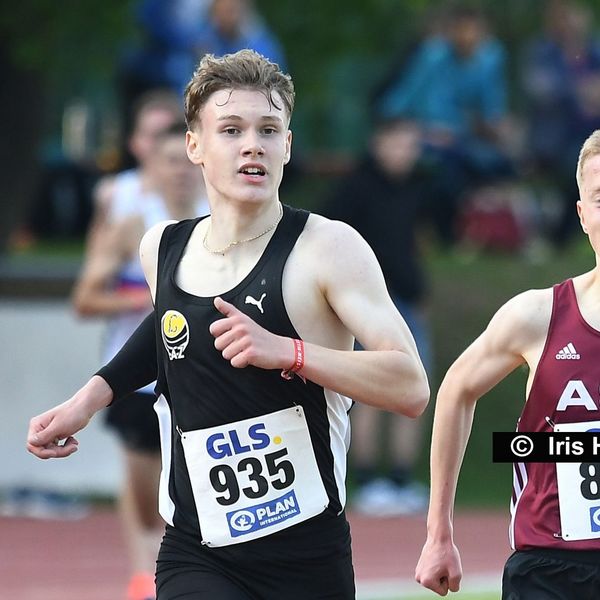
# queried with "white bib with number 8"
point(579, 492)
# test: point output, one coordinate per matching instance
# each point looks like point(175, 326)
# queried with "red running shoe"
point(141, 587)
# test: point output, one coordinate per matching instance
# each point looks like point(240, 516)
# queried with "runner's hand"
point(48, 429)
point(243, 342)
point(51, 434)
point(439, 568)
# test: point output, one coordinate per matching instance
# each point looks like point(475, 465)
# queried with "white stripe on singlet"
point(519, 485)
point(339, 437)
point(166, 506)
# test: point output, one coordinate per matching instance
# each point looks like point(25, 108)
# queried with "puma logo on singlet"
point(257, 303)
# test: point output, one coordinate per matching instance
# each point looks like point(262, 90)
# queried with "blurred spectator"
point(112, 285)
point(117, 197)
point(453, 84)
point(62, 205)
point(175, 34)
point(235, 24)
point(164, 55)
point(383, 198)
point(561, 81)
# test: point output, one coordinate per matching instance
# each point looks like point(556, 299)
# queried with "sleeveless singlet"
point(129, 199)
point(198, 390)
point(565, 391)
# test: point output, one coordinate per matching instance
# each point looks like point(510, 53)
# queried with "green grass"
point(458, 596)
point(429, 595)
point(51, 249)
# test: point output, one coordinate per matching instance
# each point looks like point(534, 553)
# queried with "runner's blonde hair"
point(591, 147)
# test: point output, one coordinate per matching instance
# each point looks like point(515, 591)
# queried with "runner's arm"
point(134, 366)
point(343, 283)
point(389, 373)
point(93, 293)
point(513, 331)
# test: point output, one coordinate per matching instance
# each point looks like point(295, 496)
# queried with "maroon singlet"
point(565, 389)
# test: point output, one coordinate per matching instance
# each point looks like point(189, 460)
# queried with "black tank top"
point(198, 388)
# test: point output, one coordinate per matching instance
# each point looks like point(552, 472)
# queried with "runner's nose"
point(252, 145)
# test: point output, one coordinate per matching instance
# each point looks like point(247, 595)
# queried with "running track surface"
point(85, 559)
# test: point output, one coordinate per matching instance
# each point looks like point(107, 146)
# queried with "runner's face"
point(242, 143)
point(179, 181)
point(150, 123)
point(588, 207)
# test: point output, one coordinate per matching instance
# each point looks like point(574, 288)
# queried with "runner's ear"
point(193, 147)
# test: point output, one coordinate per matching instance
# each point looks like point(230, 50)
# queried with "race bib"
point(253, 477)
point(579, 492)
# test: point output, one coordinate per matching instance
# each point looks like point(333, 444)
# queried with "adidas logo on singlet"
point(568, 353)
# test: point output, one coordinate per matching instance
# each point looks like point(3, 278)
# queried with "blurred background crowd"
point(499, 97)
point(444, 129)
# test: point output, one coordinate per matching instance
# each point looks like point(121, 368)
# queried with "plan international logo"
point(263, 515)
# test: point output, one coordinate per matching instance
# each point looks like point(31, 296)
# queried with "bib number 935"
point(226, 481)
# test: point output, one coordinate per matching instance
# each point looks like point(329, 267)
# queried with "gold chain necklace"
point(238, 242)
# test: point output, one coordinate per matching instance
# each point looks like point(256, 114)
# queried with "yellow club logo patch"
point(175, 333)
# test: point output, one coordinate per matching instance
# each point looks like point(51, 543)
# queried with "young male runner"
point(556, 333)
point(256, 310)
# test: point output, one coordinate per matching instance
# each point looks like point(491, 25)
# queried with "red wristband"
point(298, 360)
